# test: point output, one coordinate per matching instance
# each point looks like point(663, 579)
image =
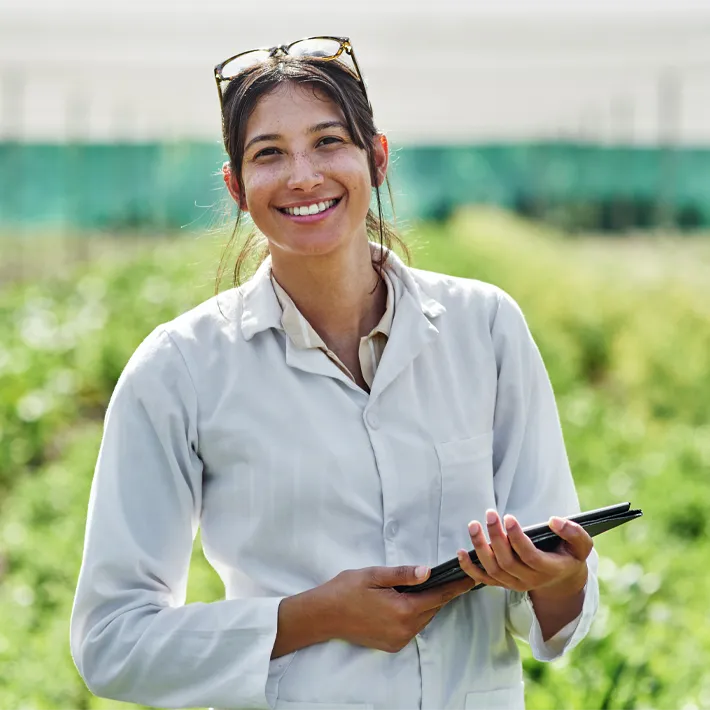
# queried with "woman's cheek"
point(355, 177)
point(360, 192)
point(258, 188)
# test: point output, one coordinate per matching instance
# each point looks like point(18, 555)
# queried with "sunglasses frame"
point(283, 49)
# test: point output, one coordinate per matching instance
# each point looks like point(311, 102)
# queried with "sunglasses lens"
point(242, 62)
point(321, 48)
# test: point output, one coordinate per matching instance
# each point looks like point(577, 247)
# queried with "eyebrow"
point(327, 124)
point(317, 128)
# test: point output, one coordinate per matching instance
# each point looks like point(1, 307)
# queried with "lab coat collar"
point(412, 329)
point(429, 306)
point(262, 310)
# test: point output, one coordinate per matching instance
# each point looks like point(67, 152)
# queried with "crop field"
point(623, 327)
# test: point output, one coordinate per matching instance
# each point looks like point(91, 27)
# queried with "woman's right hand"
point(367, 611)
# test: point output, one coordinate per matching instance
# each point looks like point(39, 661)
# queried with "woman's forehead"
point(291, 108)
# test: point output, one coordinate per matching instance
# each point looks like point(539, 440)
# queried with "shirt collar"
point(393, 293)
point(302, 332)
point(293, 323)
point(262, 309)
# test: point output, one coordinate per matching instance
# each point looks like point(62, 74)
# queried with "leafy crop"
point(625, 334)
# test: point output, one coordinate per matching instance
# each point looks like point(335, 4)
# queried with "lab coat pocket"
point(298, 705)
point(466, 467)
point(500, 699)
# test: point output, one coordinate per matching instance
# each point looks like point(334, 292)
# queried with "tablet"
point(594, 522)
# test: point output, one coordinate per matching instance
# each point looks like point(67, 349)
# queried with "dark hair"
point(340, 86)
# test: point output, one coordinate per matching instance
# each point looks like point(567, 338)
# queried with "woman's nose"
point(304, 175)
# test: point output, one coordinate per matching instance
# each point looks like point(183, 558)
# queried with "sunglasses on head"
point(323, 48)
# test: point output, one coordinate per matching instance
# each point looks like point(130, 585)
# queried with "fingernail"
point(491, 517)
point(421, 572)
point(558, 523)
point(509, 522)
point(474, 528)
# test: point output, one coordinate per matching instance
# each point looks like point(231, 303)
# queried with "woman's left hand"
point(511, 560)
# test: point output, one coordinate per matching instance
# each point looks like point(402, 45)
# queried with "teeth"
point(310, 209)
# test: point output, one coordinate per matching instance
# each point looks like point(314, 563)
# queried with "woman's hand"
point(360, 606)
point(511, 560)
point(365, 610)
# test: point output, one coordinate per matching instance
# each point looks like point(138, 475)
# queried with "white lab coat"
point(294, 474)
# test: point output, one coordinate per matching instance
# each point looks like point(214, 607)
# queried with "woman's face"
point(299, 158)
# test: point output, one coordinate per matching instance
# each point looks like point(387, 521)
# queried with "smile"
point(308, 210)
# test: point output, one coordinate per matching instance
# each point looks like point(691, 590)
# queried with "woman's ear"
point(381, 153)
point(231, 182)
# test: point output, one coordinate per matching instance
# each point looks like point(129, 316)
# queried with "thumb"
point(394, 576)
point(577, 538)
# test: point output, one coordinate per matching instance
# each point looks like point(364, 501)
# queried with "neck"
point(339, 293)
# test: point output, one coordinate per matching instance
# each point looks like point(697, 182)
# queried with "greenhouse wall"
point(171, 185)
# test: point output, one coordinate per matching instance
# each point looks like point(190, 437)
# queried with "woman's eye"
point(330, 140)
point(266, 152)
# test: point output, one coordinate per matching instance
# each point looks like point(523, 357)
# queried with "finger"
point(523, 546)
point(394, 576)
point(457, 588)
point(505, 555)
point(474, 571)
point(487, 558)
point(428, 604)
point(439, 596)
point(579, 542)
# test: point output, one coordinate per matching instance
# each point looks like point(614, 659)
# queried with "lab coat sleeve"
point(132, 637)
point(532, 477)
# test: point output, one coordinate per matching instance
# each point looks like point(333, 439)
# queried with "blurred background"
point(560, 151)
point(587, 115)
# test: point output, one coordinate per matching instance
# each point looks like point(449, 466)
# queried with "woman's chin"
point(311, 242)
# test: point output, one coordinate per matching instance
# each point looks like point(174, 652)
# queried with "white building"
point(444, 71)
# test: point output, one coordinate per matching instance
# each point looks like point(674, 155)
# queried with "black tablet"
point(593, 521)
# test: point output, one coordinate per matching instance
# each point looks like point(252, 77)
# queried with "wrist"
point(326, 611)
point(304, 619)
point(569, 588)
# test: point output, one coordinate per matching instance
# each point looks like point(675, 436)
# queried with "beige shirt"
point(303, 336)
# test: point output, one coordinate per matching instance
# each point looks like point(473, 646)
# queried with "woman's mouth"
point(311, 212)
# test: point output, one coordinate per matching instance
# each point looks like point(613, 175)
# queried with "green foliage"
point(625, 334)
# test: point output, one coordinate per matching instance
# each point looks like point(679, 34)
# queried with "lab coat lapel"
point(261, 309)
point(410, 333)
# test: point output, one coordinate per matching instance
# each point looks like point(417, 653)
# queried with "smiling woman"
point(336, 426)
point(291, 166)
point(335, 121)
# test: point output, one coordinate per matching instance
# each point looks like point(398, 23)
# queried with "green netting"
point(434, 179)
point(169, 185)
point(109, 186)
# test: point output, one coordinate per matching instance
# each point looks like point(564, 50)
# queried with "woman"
point(332, 425)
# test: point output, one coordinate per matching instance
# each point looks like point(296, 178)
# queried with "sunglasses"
point(323, 48)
